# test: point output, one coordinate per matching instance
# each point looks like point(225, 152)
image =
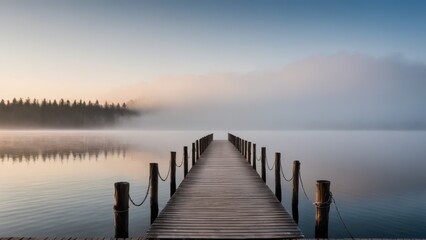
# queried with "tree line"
point(61, 114)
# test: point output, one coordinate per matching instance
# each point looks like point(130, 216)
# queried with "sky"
point(298, 64)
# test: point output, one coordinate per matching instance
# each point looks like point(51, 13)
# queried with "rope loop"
point(181, 163)
point(267, 163)
point(325, 204)
point(303, 187)
point(168, 173)
point(146, 195)
point(282, 172)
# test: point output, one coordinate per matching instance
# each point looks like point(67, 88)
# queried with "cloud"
point(341, 91)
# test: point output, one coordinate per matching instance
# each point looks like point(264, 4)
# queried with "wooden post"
point(198, 149)
point(254, 156)
point(201, 146)
point(245, 149)
point(249, 153)
point(153, 169)
point(278, 176)
point(295, 197)
point(193, 154)
point(323, 200)
point(263, 164)
point(185, 161)
point(172, 173)
point(121, 209)
point(242, 147)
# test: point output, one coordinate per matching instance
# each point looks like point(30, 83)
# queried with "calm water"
point(60, 183)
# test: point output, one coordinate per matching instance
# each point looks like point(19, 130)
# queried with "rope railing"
point(267, 164)
point(240, 144)
point(168, 174)
point(144, 199)
point(282, 173)
point(181, 163)
point(341, 219)
point(122, 195)
point(303, 187)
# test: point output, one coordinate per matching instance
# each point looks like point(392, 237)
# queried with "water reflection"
point(58, 148)
point(89, 153)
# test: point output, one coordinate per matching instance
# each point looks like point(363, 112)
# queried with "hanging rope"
point(282, 172)
point(303, 188)
point(340, 216)
point(168, 173)
point(267, 164)
point(258, 159)
point(146, 195)
point(181, 163)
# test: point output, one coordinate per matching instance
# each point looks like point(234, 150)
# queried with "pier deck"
point(222, 197)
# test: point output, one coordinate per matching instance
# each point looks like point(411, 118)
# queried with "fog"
point(341, 91)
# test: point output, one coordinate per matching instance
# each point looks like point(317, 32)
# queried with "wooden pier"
point(223, 197)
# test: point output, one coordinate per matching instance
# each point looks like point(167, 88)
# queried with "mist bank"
point(341, 91)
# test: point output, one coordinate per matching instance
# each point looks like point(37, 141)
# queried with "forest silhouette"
point(61, 114)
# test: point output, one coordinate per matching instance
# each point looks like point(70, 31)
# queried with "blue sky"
point(88, 49)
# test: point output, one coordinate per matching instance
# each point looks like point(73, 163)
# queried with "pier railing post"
point(249, 153)
point(245, 149)
point(121, 209)
point(198, 149)
point(201, 146)
point(254, 156)
point(172, 173)
point(323, 200)
point(193, 154)
point(263, 164)
point(295, 197)
point(185, 161)
point(154, 190)
point(278, 176)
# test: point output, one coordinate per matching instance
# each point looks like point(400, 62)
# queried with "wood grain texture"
point(223, 197)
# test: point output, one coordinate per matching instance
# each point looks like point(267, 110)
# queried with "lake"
point(60, 183)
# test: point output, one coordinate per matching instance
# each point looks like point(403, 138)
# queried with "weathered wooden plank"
point(223, 197)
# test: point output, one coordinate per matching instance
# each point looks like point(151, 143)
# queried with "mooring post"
point(254, 156)
point(154, 190)
point(198, 149)
point(263, 164)
point(172, 173)
point(323, 200)
point(201, 146)
point(245, 149)
point(295, 197)
point(239, 144)
point(249, 153)
point(121, 209)
point(193, 154)
point(278, 176)
point(185, 161)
